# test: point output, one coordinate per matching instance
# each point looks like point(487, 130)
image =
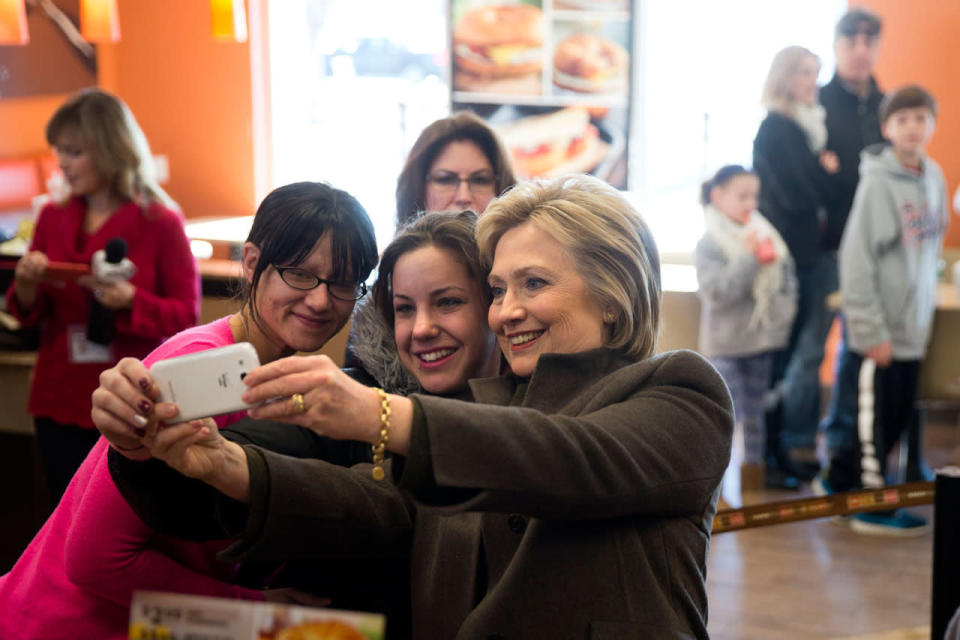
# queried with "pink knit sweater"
point(77, 577)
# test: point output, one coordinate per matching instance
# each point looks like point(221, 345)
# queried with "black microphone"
point(109, 264)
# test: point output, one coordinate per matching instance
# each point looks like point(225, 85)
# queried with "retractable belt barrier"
point(838, 504)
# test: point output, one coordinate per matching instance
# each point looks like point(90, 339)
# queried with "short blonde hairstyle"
point(606, 238)
point(776, 90)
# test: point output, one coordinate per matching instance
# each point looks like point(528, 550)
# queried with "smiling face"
point(294, 319)
point(77, 164)
point(803, 83)
point(541, 304)
point(737, 198)
point(460, 159)
point(440, 321)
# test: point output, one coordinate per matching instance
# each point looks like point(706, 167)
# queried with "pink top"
point(76, 578)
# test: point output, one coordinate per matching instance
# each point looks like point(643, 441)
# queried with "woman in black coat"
point(795, 186)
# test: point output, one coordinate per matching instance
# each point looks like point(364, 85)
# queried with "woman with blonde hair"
point(796, 185)
point(89, 324)
point(572, 498)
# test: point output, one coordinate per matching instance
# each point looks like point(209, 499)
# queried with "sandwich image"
point(589, 63)
point(564, 141)
point(498, 41)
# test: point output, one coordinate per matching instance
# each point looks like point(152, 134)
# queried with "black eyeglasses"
point(305, 281)
point(481, 183)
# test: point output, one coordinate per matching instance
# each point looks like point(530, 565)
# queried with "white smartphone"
point(206, 383)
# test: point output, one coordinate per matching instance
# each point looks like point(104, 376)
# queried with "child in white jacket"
point(747, 302)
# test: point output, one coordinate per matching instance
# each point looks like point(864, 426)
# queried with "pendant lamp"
point(13, 22)
point(99, 21)
point(228, 20)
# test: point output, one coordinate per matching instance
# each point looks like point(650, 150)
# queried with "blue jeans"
point(801, 380)
point(840, 425)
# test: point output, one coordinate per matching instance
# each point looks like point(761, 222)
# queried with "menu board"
point(554, 79)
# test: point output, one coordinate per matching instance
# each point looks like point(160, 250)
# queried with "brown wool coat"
point(583, 513)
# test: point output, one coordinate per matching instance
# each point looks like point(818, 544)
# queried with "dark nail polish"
point(144, 407)
point(144, 383)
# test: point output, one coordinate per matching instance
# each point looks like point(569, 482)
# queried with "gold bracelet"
point(381, 447)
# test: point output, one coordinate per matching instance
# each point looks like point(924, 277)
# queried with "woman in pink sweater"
point(77, 577)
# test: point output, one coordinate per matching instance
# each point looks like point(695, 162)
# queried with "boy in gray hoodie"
point(888, 274)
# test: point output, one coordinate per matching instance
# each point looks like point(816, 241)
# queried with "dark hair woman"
point(309, 251)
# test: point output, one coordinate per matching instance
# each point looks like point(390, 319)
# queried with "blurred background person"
point(457, 163)
point(748, 295)
point(114, 198)
point(796, 185)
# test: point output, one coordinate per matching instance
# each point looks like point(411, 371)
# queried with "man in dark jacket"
point(852, 100)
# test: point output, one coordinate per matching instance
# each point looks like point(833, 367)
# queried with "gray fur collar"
point(373, 346)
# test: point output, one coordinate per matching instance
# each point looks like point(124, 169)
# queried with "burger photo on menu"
point(499, 49)
point(590, 63)
point(552, 144)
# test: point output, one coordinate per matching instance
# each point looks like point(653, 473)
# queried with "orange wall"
point(190, 94)
point(920, 46)
point(22, 121)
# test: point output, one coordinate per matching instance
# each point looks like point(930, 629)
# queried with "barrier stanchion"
point(946, 550)
point(838, 504)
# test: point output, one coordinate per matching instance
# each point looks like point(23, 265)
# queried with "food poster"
point(553, 77)
point(169, 616)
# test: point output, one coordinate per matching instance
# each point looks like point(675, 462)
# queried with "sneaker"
point(898, 524)
point(820, 486)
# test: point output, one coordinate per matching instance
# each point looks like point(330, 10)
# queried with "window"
point(353, 82)
point(702, 69)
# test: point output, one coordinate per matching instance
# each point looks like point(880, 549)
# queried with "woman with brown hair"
point(457, 163)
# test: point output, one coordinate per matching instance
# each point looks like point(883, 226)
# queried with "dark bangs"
point(292, 218)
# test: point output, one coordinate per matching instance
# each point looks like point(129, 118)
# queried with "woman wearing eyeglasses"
point(309, 250)
point(457, 163)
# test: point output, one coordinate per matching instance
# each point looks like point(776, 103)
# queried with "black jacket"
point(853, 123)
point(793, 186)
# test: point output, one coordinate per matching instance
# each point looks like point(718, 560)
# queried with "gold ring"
point(298, 405)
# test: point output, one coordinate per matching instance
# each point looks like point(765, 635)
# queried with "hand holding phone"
point(207, 383)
